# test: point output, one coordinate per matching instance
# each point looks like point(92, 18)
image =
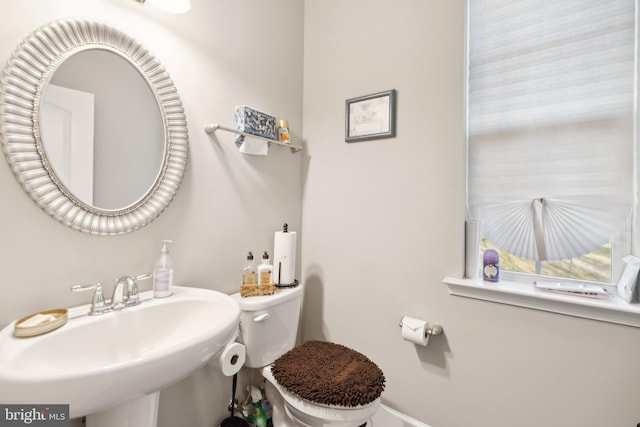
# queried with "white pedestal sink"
point(111, 367)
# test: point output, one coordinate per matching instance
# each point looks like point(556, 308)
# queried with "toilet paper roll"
point(472, 249)
point(415, 330)
point(284, 257)
point(231, 359)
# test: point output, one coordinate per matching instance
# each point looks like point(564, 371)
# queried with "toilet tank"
point(269, 324)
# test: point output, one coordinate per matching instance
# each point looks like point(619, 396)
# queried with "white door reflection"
point(68, 116)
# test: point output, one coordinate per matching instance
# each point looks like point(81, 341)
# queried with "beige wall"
point(380, 221)
point(383, 224)
point(221, 54)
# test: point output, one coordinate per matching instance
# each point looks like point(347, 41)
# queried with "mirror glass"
point(102, 130)
point(92, 126)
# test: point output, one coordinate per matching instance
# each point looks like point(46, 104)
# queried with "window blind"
point(550, 123)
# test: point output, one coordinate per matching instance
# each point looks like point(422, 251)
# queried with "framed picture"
point(371, 117)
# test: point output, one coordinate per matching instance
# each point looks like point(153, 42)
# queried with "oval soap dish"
point(40, 323)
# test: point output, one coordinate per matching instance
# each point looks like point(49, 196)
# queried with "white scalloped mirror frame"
point(22, 85)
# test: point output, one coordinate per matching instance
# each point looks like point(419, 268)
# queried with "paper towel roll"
point(472, 249)
point(232, 359)
point(284, 257)
point(415, 331)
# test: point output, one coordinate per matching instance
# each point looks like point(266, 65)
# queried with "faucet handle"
point(132, 292)
point(144, 276)
point(98, 303)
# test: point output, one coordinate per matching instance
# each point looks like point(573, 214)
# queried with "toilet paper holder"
point(431, 330)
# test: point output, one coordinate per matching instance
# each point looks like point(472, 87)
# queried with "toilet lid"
point(329, 374)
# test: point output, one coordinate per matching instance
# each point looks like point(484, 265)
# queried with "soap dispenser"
point(249, 271)
point(163, 273)
point(264, 270)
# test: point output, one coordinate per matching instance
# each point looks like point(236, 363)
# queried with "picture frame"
point(371, 117)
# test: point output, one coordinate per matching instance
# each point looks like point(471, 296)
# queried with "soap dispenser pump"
point(163, 273)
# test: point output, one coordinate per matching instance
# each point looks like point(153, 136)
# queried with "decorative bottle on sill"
point(491, 266)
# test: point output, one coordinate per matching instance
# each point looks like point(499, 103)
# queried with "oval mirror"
point(92, 127)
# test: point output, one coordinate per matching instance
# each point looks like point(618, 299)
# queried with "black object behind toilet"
point(232, 420)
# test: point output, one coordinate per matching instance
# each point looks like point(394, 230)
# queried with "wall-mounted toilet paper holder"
point(430, 331)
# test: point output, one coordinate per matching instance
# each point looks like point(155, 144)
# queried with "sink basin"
point(94, 363)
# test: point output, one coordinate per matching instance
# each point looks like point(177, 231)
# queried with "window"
point(551, 98)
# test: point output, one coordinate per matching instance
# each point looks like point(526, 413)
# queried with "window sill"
point(613, 310)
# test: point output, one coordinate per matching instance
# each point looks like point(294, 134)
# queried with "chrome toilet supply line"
point(430, 331)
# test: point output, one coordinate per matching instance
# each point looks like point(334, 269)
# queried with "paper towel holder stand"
point(211, 128)
point(431, 330)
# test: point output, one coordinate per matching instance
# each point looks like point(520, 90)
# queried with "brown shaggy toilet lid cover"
point(329, 374)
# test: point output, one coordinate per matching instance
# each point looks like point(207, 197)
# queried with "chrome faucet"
point(98, 303)
point(121, 292)
point(125, 292)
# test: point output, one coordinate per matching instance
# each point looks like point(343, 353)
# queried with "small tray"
point(60, 318)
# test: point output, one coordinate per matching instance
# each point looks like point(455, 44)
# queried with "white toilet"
point(268, 329)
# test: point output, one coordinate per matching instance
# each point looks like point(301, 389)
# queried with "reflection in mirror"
point(91, 68)
point(102, 130)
